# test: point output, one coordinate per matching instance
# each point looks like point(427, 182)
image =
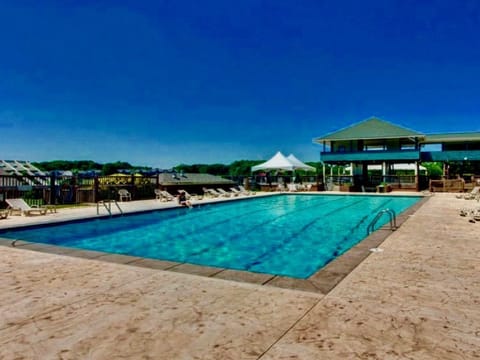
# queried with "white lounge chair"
point(212, 193)
point(191, 196)
point(209, 193)
point(225, 193)
point(3, 214)
point(168, 196)
point(245, 191)
point(163, 195)
point(21, 207)
point(237, 192)
point(473, 194)
point(472, 213)
point(215, 193)
point(476, 215)
point(292, 187)
point(281, 187)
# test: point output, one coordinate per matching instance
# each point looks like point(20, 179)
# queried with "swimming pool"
point(289, 235)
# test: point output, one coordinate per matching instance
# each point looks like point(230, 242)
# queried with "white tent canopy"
point(280, 162)
point(277, 162)
point(298, 164)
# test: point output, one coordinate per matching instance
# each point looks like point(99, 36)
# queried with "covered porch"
point(377, 177)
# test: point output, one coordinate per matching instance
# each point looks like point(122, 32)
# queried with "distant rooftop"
point(372, 128)
point(19, 167)
point(192, 179)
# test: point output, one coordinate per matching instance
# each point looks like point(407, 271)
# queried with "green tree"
point(68, 165)
point(217, 169)
point(243, 167)
point(434, 169)
point(112, 168)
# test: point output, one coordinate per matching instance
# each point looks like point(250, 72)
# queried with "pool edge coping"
point(321, 282)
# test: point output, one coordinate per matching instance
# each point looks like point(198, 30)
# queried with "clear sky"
point(160, 83)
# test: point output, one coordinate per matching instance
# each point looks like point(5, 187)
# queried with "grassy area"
point(67, 206)
point(40, 202)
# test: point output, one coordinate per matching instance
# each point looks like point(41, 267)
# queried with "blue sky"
point(167, 82)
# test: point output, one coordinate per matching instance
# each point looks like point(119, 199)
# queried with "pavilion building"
point(378, 142)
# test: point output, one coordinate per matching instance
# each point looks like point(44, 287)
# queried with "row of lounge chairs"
point(164, 195)
point(19, 206)
point(298, 187)
point(294, 187)
point(223, 193)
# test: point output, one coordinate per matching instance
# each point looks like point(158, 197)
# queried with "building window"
point(373, 148)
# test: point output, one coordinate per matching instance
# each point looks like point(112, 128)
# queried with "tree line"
point(77, 166)
point(236, 168)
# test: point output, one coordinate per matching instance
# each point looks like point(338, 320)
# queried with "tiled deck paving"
point(418, 299)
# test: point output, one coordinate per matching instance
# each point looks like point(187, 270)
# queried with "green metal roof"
point(373, 128)
point(451, 137)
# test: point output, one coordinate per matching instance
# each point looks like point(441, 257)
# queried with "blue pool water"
point(290, 235)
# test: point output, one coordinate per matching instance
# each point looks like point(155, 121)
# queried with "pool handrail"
point(392, 216)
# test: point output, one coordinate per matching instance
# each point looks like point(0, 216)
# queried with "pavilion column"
point(352, 172)
point(324, 175)
point(417, 184)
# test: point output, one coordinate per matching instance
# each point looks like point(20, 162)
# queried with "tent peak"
point(299, 164)
point(277, 162)
point(280, 162)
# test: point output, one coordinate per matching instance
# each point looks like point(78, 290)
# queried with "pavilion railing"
point(405, 182)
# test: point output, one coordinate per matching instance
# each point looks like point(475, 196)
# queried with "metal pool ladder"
point(108, 206)
point(392, 216)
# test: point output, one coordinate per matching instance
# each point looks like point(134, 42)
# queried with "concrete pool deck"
point(416, 299)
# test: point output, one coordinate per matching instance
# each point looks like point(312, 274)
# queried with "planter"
point(384, 188)
point(346, 188)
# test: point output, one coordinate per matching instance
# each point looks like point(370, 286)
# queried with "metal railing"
point(392, 216)
point(107, 204)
